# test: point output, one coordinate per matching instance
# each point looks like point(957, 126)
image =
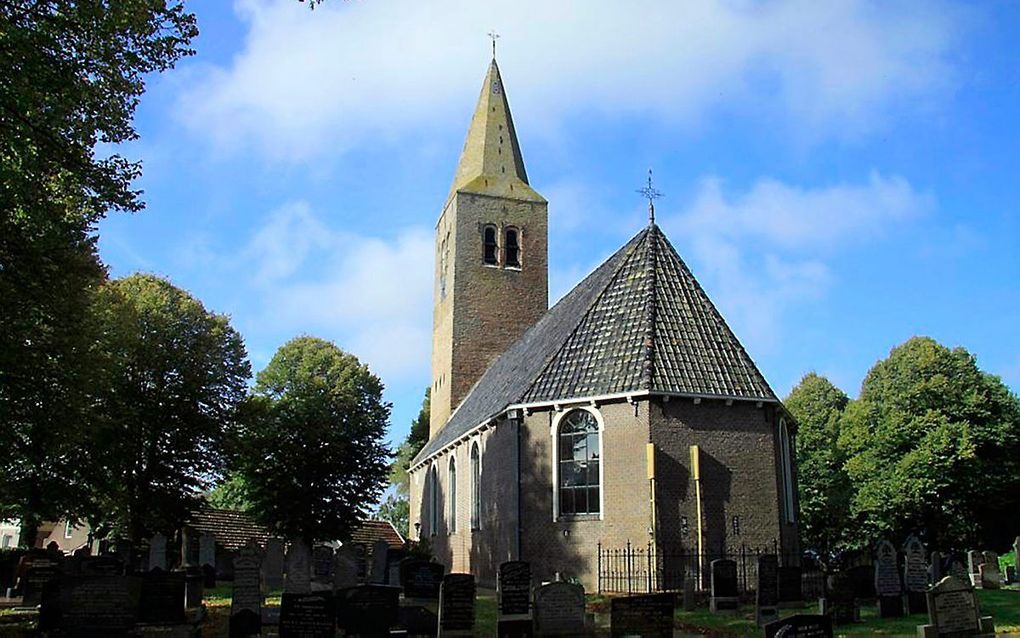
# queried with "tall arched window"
point(787, 470)
point(579, 452)
point(490, 249)
point(476, 480)
point(433, 492)
point(513, 248)
point(453, 497)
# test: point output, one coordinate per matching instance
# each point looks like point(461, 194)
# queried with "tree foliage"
point(415, 441)
point(311, 452)
point(824, 488)
point(396, 510)
point(175, 377)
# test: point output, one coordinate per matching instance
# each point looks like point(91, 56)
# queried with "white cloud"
point(312, 81)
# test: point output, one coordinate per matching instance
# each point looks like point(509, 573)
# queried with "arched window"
point(453, 497)
point(476, 480)
point(490, 249)
point(513, 248)
point(579, 452)
point(433, 492)
point(787, 470)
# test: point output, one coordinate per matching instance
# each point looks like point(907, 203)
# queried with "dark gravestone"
point(1011, 575)
point(272, 564)
point(559, 609)
point(36, 578)
point(417, 621)
point(393, 560)
point(724, 585)
point(514, 589)
point(800, 626)
point(298, 568)
point(194, 583)
point(936, 569)
point(162, 598)
point(380, 562)
point(209, 576)
point(345, 568)
point(322, 568)
point(368, 610)
point(991, 577)
point(100, 566)
point(648, 616)
point(457, 605)
point(863, 579)
point(767, 594)
point(307, 615)
point(157, 552)
point(99, 605)
point(246, 599)
point(841, 602)
point(420, 578)
point(791, 590)
point(952, 609)
point(955, 565)
point(915, 575)
point(887, 581)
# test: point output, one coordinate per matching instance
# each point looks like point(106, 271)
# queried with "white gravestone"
point(298, 569)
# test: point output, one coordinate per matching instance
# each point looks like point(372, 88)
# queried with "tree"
point(311, 451)
point(231, 493)
point(176, 379)
point(823, 485)
point(415, 441)
point(396, 510)
point(933, 446)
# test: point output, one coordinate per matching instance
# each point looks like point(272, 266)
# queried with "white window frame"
point(554, 432)
point(475, 469)
point(451, 476)
point(6, 541)
point(68, 529)
point(787, 470)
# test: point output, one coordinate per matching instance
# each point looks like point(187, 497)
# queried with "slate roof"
point(639, 322)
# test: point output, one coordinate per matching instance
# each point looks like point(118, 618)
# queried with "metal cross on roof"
point(494, 36)
point(651, 195)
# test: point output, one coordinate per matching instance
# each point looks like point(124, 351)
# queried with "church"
point(629, 412)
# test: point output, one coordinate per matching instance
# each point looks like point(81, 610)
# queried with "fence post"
point(629, 558)
point(599, 562)
point(648, 574)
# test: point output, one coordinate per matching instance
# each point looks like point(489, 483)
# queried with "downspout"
point(520, 525)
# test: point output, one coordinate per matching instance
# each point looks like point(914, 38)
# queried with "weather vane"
point(494, 36)
point(651, 195)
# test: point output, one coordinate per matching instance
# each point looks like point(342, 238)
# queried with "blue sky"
point(840, 176)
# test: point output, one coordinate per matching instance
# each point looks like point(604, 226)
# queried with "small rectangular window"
point(68, 529)
point(513, 248)
point(490, 250)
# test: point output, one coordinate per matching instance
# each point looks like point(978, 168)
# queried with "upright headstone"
point(380, 560)
point(162, 598)
point(368, 610)
point(194, 586)
point(991, 578)
point(322, 568)
point(800, 626)
point(1011, 575)
point(421, 578)
point(648, 616)
point(309, 615)
point(457, 605)
point(915, 575)
point(246, 601)
point(767, 595)
point(1016, 553)
point(955, 566)
point(272, 565)
point(840, 601)
point(37, 570)
point(559, 609)
point(207, 558)
point(974, 560)
point(887, 581)
point(690, 592)
point(791, 585)
point(345, 568)
point(724, 585)
point(513, 599)
point(157, 552)
point(99, 604)
point(953, 610)
point(298, 575)
point(393, 559)
point(935, 569)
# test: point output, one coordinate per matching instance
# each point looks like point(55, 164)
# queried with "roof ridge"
point(651, 263)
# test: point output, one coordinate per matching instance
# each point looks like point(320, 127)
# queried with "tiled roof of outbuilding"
point(231, 528)
point(639, 322)
point(374, 530)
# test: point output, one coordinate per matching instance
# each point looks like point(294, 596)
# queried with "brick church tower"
point(491, 277)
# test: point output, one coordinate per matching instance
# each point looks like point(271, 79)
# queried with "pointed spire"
point(491, 162)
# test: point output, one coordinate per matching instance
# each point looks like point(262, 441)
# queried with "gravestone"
point(766, 600)
point(207, 558)
point(800, 626)
point(513, 595)
point(157, 552)
point(297, 579)
point(417, 620)
point(457, 605)
point(974, 560)
point(246, 600)
point(648, 616)
point(100, 566)
point(863, 579)
point(955, 566)
point(162, 598)
point(935, 568)
point(99, 605)
point(1011, 576)
point(368, 610)
point(953, 609)
point(393, 560)
point(322, 567)
point(887, 581)
point(421, 578)
point(38, 571)
point(194, 581)
point(991, 577)
point(308, 615)
point(915, 575)
point(559, 609)
point(690, 594)
point(272, 565)
point(724, 585)
point(380, 561)
point(840, 601)
point(345, 568)
point(1016, 553)
point(791, 589)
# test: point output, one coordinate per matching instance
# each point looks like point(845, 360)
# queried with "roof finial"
point(651, 195)
point(494, 36)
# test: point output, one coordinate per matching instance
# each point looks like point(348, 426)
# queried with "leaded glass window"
point(513, 248)
point(490, 249)
point(476, 479)
point(578, 464)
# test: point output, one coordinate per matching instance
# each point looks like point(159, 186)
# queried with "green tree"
point(415, 441)
point(824, 487)
point(933, 446)
point(231, 493)
point(311, 451)
point(176, 377)
point(396, 510)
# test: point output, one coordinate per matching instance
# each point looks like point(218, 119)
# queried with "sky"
point(840, 176)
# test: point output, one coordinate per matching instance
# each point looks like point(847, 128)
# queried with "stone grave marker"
point(724, 585)
point(100, 566)
point(953, 609)
point(767, 595)
point(322, 568)
point(457, 605)
point(1011, 576)
point(272, 565)
point(38, 570)
point(935, 568)
point(863, 579)
point(393, 559)
point(297, 579)
point(887, 581)
point(991, 577)
point(648, 616)
point(98, 605)
point(368, 610)
point(956, 567)
point(974, 560)
point(800, 626)
point(421, 578)
point(162, 598)
point(157, 552)
point(559, 609)
point(309, 615)
point(791, 588)
point(246, 601)
point(915, 575)
point(417, 620)
point(841, 603)
point(690, 595)
point(207, 559)
point(194, 582)
point(513, 596)
point(380, 561)
point(345, 568)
